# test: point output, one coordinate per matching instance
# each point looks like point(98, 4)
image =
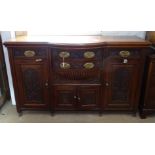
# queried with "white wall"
point(6, 35)
point(140, 34)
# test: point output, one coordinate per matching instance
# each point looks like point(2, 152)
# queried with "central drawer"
point(77, 64)
point(76, 59)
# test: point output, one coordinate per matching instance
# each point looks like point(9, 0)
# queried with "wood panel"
point(113, 83)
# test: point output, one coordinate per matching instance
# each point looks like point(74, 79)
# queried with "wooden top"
point(78, 40)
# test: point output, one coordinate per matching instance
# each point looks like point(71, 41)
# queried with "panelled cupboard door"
point(64, 97)
point(88, 97)
point(121, 83)
point(32, 82)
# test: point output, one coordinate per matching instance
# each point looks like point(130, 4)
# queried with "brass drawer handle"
point(64, 65)
point(89, 54)
point(107, 84)
point(64, 54)
point(89, 65)
point(29, 53)
point(39, 60)
point(124, 54)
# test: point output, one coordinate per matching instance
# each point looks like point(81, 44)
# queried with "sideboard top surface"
point(78, 40)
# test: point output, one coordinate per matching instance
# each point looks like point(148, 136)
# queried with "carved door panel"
point(65, 97)
point(88, 97)
point(32, 82)
point(121, 85)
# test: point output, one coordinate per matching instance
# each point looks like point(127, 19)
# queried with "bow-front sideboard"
point(78, 73)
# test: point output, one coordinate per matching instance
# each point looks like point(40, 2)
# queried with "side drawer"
point(125, 52)
point(30, 52)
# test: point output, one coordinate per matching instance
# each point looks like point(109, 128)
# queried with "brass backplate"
point(89, 65)
point(64, 65)
point(29, 53)
point(64, 54)
point(124, 54)
point(89, 54)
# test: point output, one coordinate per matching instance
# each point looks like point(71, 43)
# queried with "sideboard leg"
point(20, 113)
point(100, 113)
point(52, 113)
point(134, 114)
point(142, 115)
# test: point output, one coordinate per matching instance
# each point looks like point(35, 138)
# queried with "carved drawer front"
point(125, 52)
point(74, 75)
point(32, 52)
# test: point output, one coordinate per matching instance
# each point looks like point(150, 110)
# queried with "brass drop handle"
point(75, 97)
point(79, 98)
point(39, 60)
point(107, 84)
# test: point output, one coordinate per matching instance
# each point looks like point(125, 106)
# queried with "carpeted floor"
point(8, 114)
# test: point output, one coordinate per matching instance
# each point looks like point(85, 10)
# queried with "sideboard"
point(78, 73)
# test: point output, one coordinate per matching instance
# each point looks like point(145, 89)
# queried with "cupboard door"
point(88, 97)
point(32, 83)
point(64, 97)
point(121, 85)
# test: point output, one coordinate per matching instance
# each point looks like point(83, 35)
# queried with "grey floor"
point(8, 114)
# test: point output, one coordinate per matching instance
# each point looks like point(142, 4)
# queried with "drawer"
point(87, 65)
point(74, 75)
point(125, 52)
point(87, 54)
point(30, 52)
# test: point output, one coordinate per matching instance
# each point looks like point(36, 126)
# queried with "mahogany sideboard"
point(78, 73)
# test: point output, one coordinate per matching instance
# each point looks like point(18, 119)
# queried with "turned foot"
point(52, 114)
point(142, 115)
point(134, 114)
point(20, 114)
point(100, 113)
